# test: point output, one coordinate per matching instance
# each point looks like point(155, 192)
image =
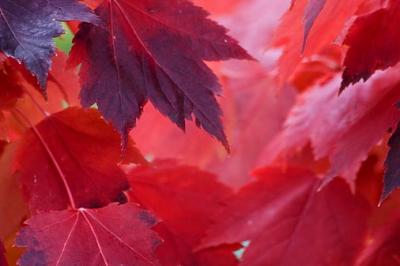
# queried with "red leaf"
point(374, 44)
point(153, 49)
point(85, 149)
point(113, 235)
point(252, 101)
point(326, 28)
point(290, 222)
point(337, 127)
point(185, 199)
point(170, 191)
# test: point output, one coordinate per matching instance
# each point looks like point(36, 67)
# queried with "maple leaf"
point(172, 192)
point(373, 42)
point(251, 98)
point(76, 155)
point(153, 50)
point(290, 222)
point(113, 235)
point(346, 135)
point(306, 22)
point(28, 26)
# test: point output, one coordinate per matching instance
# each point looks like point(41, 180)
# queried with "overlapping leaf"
point(251, 101)
point(76, 150)
point(337, 127)
point(289, 222)
point(324, 31)
point(374, 44)
point(173, 192)
point(28, 26)
point(113, 235)
point(153, 50)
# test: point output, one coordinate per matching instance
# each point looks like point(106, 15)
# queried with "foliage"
point(117, 149)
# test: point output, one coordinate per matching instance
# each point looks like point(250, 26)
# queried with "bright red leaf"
point(72, 154)
point(323, 33)
point(113, 235)
point(173, 192)
point(289, 222)
point(374, 44)
point(337, 127)
point(153, 49)
point(170, 191)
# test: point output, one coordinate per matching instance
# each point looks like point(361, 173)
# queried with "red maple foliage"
point(100, 163)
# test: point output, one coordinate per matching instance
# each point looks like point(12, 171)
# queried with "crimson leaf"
point(75, 147)
point(113, 235)
point(374, 44)
point(289, 222)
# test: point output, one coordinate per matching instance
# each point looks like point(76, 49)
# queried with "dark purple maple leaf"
point(28, 26)
point(391, 179)
point(153, 49)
